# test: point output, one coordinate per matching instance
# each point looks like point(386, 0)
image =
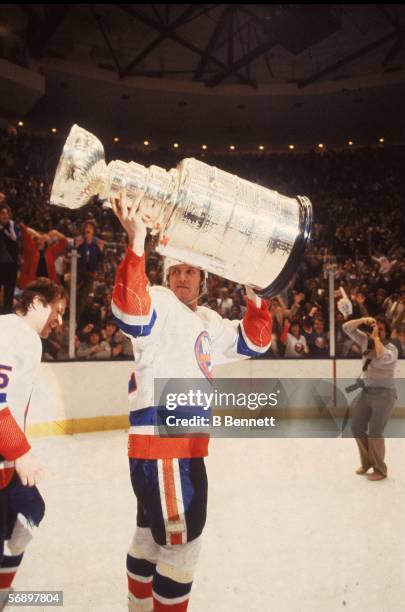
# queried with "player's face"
point(185, 281)
point(53, 314)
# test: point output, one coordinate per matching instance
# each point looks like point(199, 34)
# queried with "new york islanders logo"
point(202, 351)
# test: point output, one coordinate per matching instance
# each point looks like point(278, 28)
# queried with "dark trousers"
point(8, 279)
point(85, 287)
point(370, 414)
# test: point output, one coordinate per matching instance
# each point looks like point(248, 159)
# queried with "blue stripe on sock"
point(165, 587)
point(140, 567)
point(11, 561)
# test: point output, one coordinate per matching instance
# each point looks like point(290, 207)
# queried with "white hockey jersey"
point(20, 358)
point(171, 341)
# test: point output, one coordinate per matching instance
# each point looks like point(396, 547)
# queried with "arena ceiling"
point(216, 73)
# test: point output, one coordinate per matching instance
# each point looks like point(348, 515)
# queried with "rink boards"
point(78, 397)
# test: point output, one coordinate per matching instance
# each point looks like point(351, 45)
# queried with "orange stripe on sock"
point(160, 607)
point(6, 580)
point(141, 590)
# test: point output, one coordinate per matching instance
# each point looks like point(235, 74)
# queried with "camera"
point(359, 384)
point(365, 328)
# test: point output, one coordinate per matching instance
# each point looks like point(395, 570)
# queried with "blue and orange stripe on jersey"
point(131, 303)
point(151, 438)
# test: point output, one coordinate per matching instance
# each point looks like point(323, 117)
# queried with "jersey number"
point(4, 378)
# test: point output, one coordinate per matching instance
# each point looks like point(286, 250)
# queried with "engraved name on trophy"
point(203, 216)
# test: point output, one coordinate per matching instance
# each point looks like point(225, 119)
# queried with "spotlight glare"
point(321, 145)
point(146, 143)
point(232, 147)
point(176, 145)
point(350, 143)
point(381, 140)
point(204, 147)
point(261, 147)
point(54, 130)
point(116, 139)
point(291, 146)
point(20, 123)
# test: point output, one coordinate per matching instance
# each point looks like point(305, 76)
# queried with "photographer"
point(374, 406)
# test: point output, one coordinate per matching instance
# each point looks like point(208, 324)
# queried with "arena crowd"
point(357, 195)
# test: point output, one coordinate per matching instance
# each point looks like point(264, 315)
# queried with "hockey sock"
point(140, 574)
point(169, 595)
point(8, 569)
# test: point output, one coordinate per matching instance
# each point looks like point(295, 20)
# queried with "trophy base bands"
point(35, 598)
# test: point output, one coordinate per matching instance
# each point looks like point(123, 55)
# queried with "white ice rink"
point(290, 527)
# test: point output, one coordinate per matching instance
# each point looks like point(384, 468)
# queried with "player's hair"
point(43, 288)
point(382, 319)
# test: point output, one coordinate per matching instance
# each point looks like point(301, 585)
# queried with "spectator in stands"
point(395, 309)
point(224, 302)
point(39, 254)
point(90, 250)
point(91, 313)
point(295, 342)
point(317, 339)
point(9, 240)
point(109, 330)
point(95, 347)
point(236, 312)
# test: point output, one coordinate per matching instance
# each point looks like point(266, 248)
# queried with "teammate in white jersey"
point(41, 307)
point(173, 338)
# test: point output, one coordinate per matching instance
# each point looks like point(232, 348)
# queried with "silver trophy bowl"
point(201, 215)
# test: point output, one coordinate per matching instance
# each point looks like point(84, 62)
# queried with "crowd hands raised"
point(359, 227)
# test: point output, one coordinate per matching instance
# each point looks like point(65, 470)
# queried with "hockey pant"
point(172, 507)
point(21, 510)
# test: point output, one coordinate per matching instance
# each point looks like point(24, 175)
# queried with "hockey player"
point(172, 338)
point(40, 310)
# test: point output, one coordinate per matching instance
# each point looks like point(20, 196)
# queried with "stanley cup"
point(203, 216)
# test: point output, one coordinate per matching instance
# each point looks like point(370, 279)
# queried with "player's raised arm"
point(249, 337)
point(256, 326)
point(131, 303)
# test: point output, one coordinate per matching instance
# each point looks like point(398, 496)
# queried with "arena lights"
point(20, 123)
point(232, 147)
point(261, 147)
point(291, 146)
point(204, 147)
point(54, 130)
point(321, 145)
point(176, 145)
point(381, 140)
point(116, 139)
point(146, 143)
point(350, 143)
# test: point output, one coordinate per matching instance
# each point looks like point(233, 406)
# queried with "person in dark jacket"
point(9, 243)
